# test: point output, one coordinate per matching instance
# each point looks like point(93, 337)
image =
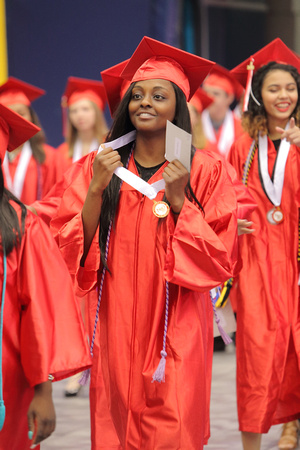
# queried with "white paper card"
point(178, 145)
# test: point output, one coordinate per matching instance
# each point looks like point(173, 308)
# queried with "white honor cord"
point(150, 190)
point(273, 189)
point(16, 186)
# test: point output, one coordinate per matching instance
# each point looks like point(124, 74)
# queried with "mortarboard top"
point(115, 86)
point(16, 91)
point(201, 100)
point(274, 51)
point(14, 130)
point(79, 88)
point(153, 59)
point(222, 78)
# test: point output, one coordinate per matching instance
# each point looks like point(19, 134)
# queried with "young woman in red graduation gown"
point(267, 158)
point(31, 170)
point(152, 262)
point(42, 335)
point(84, 124)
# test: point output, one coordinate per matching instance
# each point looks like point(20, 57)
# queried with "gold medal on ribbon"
point(160, 209)
point(275, 215)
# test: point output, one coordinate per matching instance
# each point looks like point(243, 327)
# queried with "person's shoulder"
point(50, 152)
point(81, 168)
point(206, 157)
point(63, 149)
point(49, 149)
point(19, 209)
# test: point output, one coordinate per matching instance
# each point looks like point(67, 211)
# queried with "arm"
point(105, 163)
point(202, 250)
point(52, 335)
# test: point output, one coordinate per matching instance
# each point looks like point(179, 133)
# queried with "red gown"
point(63, 150)
point(39, 178)
point(268, 325)
point(194, 256)
point(105, 438)
point(42, 329)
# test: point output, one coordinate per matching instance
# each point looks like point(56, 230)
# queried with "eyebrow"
point(293, 83)
point(155, 87)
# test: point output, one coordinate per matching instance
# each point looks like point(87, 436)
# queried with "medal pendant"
point(160, 209)
point(275, 215)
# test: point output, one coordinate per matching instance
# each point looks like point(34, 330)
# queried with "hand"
point(176, 177)
point(41, 413)
point(292, 135)
point(104, 165)
point(244, 227)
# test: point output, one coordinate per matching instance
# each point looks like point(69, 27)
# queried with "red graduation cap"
point(274, 51)
point(79, 88)
point(154, 59)
point(201, 100)
point(222, 78)
point(16, 91)
point(115, 86)
point(14, 130)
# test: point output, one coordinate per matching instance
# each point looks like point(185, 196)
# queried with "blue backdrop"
point(49, 40)
point(53, 39)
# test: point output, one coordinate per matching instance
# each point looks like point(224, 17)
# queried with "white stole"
point(16, 185)
point(273, 188)
point(226, 137)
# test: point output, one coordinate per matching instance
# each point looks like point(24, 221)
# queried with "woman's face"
point(21, 109)
point(279, 94)
point(82, 115)
point(222, 101)
point(152, 103)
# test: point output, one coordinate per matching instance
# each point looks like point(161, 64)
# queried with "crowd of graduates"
point(111, 254)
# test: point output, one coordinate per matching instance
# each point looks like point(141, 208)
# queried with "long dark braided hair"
point(122, 125)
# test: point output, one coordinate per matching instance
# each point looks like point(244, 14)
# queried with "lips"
point(283, 106)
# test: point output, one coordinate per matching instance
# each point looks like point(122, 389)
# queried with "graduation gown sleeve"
point(52, 333)
point(202, 250)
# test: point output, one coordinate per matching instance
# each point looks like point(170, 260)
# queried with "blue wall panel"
point(49, 40)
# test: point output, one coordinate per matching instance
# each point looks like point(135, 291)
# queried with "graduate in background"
point(152, 262)
point(198, 103)
point(221, 126)
point(42, 336)
point(102, 428)
point(267, 160)
point(84, 124)
point(32, 169)
point(84, 127)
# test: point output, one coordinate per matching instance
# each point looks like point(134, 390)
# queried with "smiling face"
point(280, 95)
point(82, 115)
point(152, 103)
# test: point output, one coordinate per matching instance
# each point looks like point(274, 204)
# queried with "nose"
point(146, 101)
point(283, 93)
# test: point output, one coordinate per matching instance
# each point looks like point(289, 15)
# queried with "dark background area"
point(49, 40)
